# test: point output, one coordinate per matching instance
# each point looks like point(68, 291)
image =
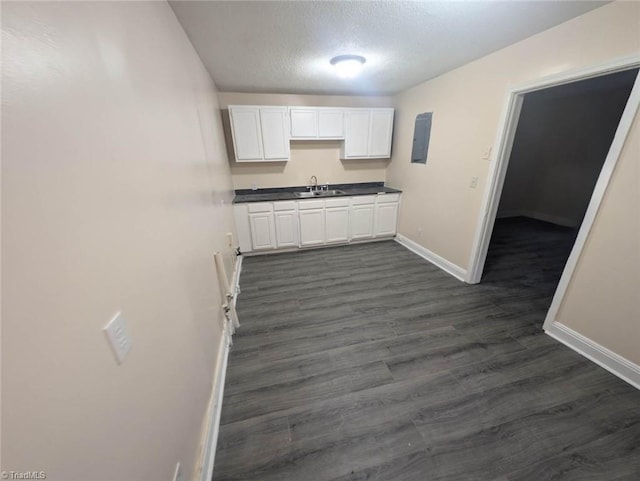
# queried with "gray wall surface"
point(562, 140)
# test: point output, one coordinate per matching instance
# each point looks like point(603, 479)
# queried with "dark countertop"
point(287, 193)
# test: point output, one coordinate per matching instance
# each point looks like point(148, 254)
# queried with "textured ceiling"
point(285, 47)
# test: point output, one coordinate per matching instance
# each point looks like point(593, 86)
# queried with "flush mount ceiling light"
point(348, 66)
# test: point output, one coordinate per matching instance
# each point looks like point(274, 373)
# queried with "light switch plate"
point(118, 337)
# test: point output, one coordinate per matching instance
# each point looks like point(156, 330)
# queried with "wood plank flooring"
point(366, 362)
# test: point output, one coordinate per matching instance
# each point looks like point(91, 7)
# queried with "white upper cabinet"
point(259, 133)
point(247, 133)
point(381, 129)
point(309, 123)
point(356, 141)
point(330, 123)
point(368, 133)
point(304, 122)
point(275, 137)
point(263, 133)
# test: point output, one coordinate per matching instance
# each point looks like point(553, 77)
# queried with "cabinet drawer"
point(339, 202)
point(387, 198)
point(286, 205)
point(363, 199)
point(260, 207)
point(311, 204)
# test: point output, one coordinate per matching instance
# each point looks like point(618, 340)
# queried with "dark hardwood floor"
point(366, 362)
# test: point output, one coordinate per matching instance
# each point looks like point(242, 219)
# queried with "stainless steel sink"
point(304, 194)
point(330, 192)
point(318, 193)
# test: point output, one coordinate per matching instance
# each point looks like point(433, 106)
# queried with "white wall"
point(115, 194)
point(319, 158)
point(602, 299)
point(467, 104)
point(562, 139)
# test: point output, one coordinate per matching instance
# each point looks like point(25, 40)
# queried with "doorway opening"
point(557, 148)
point(561, 142)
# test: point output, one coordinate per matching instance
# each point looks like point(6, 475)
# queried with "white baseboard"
point(449, 267)
point(609, 360)
point(211, 423)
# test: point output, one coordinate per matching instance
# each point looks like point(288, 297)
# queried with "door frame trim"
point(504, 140)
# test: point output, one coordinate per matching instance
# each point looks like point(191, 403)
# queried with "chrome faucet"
point(313, 183)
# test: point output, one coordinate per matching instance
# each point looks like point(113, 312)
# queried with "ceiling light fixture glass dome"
point(348, 66)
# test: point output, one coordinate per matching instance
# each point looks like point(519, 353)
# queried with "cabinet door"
point(286, 229)
point(362, 221)
point(337, 224)
point(386, 219)
point(331, 123)
point(245, 129)
point(275, 136)
point(262, 231)
point(304, 123)
point(381, 128)
point(356, 135)
point(311, 227)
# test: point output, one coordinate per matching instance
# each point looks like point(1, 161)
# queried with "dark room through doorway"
point(562, 139)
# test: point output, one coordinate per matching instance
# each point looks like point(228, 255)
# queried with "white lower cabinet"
point(308, 223)
point(362, 209)
point(262, 231)
point(386, 215)
point(336, 218)
point(311, 219)
point(311, 227)
point(262, 226)
point(286, 220)
point(337, 224)
point(362, 223)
